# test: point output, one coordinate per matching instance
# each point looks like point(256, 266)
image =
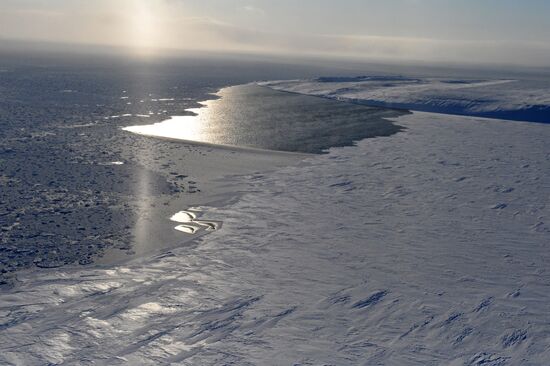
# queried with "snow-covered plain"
point(427, 247)
point(516, 99)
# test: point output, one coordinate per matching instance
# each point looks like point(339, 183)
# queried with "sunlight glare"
point(145, 25)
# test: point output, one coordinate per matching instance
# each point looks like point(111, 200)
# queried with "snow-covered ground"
point(428, 247)
point(517, 99)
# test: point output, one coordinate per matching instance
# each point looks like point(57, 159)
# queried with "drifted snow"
point(426, 247)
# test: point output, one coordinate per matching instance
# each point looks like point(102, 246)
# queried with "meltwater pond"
point(259, 117)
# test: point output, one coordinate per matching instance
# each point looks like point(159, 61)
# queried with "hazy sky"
point(504, 31)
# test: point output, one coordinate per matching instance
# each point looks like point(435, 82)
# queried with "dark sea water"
point(64, 196)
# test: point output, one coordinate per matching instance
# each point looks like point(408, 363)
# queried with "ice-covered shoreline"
point(425, 247)
point(509, 99)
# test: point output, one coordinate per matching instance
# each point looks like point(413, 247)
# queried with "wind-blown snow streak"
point(426, 247)
point(524, 100)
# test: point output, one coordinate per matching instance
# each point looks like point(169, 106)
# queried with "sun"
point(145, 25)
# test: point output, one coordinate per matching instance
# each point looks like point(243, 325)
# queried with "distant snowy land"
point(514, 99)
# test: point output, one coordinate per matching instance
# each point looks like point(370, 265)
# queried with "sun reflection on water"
point(200, 127)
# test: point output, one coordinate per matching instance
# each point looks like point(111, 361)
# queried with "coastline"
point(216, 165)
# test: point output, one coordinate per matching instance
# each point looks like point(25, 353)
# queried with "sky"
point(472, 31)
